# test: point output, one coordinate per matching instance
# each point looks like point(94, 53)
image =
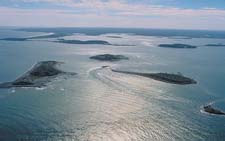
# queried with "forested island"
point(164, 77)
point(38, 76)
point(48, 36)
point(177, 46)
point(215, 45)
point(101, 42)
point(114, 37)
point(109, 57)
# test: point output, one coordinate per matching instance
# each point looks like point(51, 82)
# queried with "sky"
point(170, 14)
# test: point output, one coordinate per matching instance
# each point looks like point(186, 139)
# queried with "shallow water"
point(99, 104)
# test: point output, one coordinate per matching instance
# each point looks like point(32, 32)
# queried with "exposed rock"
point(211, 110)
point(47, 68)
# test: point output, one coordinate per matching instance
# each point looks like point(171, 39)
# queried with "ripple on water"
point(123, 107)
point(125, 104)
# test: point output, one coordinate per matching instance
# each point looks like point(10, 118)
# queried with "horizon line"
point(156, 28)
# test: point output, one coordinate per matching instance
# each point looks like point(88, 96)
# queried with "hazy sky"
point(185, 14)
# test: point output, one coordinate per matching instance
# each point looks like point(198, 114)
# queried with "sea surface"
point(100, 105)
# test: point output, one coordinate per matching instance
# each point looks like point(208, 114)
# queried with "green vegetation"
point(164, 77)
point(38, 76)
point(109, 57)
point(215, 45)
point(177, 46)
point(101, 42)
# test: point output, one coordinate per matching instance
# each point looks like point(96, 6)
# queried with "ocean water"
point(98, 104)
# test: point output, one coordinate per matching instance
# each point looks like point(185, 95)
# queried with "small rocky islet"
point(215, 45)
point(211, 110)
point(177, 46)
point(113, 36)
point(38, 76)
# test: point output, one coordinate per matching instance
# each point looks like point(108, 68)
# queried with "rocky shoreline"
point(40, 74)
point(210, 109)
point(99, 42)
point(177, 46)
point(215, 45)
point(109, 57)
point(164, 77)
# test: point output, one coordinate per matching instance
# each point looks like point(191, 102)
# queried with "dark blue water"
point(102, 105)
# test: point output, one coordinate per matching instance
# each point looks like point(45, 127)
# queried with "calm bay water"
point(98, 104)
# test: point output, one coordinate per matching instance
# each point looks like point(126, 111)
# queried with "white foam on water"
point(40, 88)
point(145, 43)
point(12, 91)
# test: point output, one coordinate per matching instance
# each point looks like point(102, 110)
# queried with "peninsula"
point(164, 77)
point(109, 57)
point(177, 46)
point(38, 75)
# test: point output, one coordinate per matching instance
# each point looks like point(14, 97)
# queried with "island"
point(215, 45)
point(114, 37)
point(101, 42)
point(164, 77)
point(211, 110)
point(48, 36)
point(109, 57)
point(40, 74)
point(93, 42)
point(179, 37)
point(14, 39)
point(177, 46)
point(105, 66)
